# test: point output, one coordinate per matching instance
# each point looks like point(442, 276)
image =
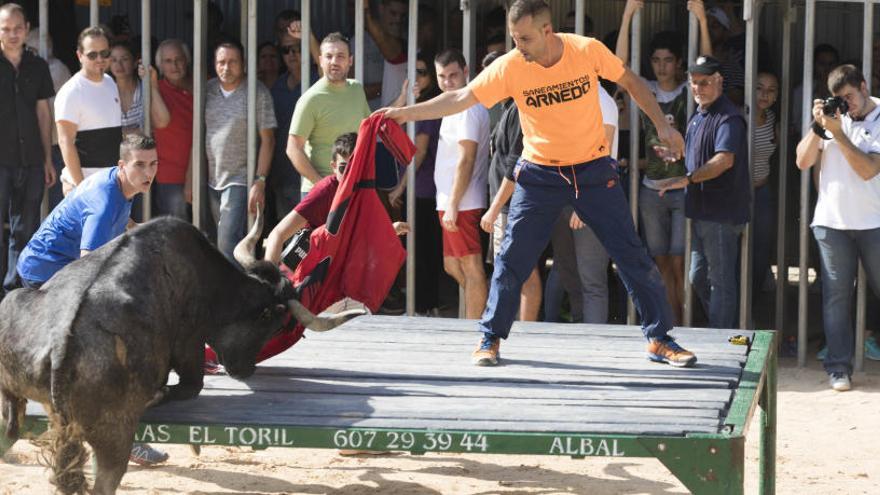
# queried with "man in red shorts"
point(460, 173)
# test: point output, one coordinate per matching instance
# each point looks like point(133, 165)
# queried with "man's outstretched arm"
point(448, 103)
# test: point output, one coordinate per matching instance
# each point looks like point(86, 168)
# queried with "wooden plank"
point(266, 382)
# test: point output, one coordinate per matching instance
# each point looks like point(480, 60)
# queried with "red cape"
point(356, 253)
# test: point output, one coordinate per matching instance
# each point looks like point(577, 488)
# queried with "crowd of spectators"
point(69, 126)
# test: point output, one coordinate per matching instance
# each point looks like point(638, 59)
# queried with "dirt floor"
point(829, 443)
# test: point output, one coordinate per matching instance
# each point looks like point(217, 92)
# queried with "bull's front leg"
point(192, 378)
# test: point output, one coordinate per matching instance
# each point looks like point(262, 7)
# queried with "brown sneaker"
point(667, 351)
point(487, 353)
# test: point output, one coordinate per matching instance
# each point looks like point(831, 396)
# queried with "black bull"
point(96, 343)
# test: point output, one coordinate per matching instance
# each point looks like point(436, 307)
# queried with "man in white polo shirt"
point(87, 112)
point(845, 142)
point(460, 173)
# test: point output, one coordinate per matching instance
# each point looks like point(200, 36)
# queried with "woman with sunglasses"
point(429, 256)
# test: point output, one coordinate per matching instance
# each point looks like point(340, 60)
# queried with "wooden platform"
point(403, 383)
point(400, 372)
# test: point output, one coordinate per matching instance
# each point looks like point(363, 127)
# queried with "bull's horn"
point(320, 323)
point(244, 251)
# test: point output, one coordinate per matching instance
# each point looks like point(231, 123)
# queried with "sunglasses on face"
point(104, 54)
point(422, 72)
point(288, 49)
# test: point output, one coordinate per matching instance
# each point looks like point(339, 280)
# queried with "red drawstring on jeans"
point(573, 177)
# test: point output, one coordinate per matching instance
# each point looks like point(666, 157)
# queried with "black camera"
point(834, 103)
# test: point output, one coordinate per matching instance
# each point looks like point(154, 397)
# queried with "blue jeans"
point(593, 189)
point(840, 252)
point(714, 254)
point(168, 200)
point(229, 210)
point(21, 193)
point(563, 278)
point(663, 221)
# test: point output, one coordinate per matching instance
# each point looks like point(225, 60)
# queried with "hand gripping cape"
point(356, 253)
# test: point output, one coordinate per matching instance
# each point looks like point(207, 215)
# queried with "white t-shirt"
point(94, 108)
point(469, 125)
point(846, 201)
point(393, 76)
point(610, 116)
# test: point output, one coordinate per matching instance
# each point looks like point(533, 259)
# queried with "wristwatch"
point(690, 178)
point(260, 178)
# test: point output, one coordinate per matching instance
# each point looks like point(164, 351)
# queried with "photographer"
point(844, 143)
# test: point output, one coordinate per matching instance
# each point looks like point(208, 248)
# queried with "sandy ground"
point(828, 443)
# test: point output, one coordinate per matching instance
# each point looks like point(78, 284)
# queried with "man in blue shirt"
point(92, 215)
point(718, 191)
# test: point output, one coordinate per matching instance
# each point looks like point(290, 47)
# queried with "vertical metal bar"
point(43, 19)
point(94, 13)
point(251, 96)
point(359, 40)
point(243, 9)
point(635, 65)
point(784, 119)
point(468, 47)
point(44, 52)
point(469, 39)
point(306, 56)
point(861, 291)
point(508, 40)
point(146, 95)
point(580, 11)
point(200, 28)
point(411, 252)
point(804, 249)
point(751, 16)
point(688, 313)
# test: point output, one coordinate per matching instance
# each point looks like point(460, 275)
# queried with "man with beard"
point(333, 106)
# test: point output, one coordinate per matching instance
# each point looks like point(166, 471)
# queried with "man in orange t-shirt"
point(553, 78)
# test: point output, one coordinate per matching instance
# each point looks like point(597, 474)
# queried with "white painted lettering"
point(265, 436)
point(163, 434)
point(603, 448)
point(247, 436)
point(556, 447)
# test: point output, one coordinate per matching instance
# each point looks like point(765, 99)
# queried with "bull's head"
point(283, 301)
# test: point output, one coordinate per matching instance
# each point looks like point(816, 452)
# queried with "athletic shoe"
point(840, 382)
point(667, 351)
point(872, 349)
point(488, 353)
point(144, 455)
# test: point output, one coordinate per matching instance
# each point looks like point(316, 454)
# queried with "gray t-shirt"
point(226, 131)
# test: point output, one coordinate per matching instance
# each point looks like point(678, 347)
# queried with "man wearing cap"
point(553, 79)
point(718, 191)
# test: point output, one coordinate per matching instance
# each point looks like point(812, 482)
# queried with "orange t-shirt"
point(558, 106)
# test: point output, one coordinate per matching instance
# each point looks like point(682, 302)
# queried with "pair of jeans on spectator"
point(840, 252)
point(593, 189)
point(168, 200)
point(662, 221)
point(21, 194)
point(714, 254)
point(229, 211)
